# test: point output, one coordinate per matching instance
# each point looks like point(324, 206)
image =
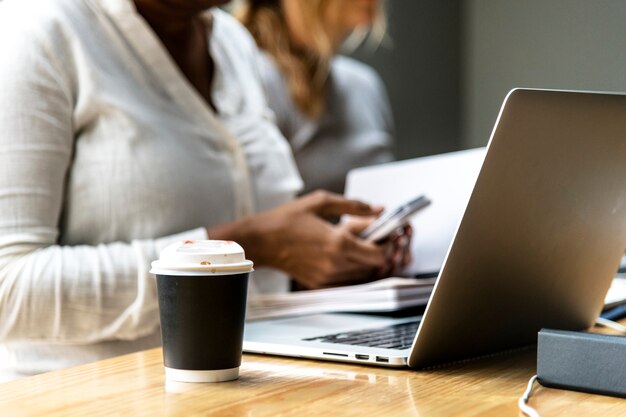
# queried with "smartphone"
point(389, 221)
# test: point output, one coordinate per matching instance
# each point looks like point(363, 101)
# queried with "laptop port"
point(382, 359)
point(362, 357)
point(342, 355)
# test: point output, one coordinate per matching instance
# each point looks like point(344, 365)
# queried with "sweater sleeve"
point(62, 294)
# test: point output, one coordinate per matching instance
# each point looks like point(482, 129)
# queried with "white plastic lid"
point(202, 257)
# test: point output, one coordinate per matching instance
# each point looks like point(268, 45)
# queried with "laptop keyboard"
point(397, 336)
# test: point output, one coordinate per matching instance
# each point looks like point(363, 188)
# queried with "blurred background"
point(451, 62)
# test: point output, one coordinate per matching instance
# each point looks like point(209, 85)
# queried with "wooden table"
point(134, 385)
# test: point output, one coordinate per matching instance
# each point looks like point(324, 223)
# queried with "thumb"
point(356, 225)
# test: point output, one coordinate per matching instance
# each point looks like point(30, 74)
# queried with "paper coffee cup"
point(202, 288)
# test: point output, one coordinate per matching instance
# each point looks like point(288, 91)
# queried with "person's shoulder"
point(37, 13)
point(362, 87)
point(230, 30)
point(353, 72)
point(270, 73)
point(35, 20)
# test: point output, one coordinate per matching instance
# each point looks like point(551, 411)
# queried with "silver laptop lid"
point(544, 230)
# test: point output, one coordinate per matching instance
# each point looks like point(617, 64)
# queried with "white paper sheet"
point(385, 295)
point(447, 179)
point(617, 292)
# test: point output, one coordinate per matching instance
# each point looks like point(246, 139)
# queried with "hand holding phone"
point(389, 221)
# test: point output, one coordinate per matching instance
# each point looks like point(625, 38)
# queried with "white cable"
point(523, 400)
point(611, 325)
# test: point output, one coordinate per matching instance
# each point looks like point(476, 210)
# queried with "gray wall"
point(569, 44)
point(453, 61)
point(421, 72)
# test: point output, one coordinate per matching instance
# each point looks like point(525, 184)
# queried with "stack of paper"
point(617, 292)
point(386, 295)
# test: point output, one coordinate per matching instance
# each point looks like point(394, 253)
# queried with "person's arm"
point(298, 239)
point(64, 294)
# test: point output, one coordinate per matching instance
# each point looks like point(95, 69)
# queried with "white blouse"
point(107, 154)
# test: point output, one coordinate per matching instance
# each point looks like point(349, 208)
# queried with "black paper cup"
point(202, 319)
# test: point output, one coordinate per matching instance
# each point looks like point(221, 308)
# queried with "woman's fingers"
point(399, 252)
point(356, 225)
point(329, 205)
point(317, 253)
point(363, 252)
point(407, 237)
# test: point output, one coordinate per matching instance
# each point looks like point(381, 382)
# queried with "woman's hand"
point(400, 254)
point(299, 239)
point(397, 245)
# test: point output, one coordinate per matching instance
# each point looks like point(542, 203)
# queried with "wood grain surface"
point(134, 385)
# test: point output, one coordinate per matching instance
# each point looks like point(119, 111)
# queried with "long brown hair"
point(305, 69)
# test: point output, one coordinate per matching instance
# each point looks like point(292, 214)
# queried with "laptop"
point(538, 245)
